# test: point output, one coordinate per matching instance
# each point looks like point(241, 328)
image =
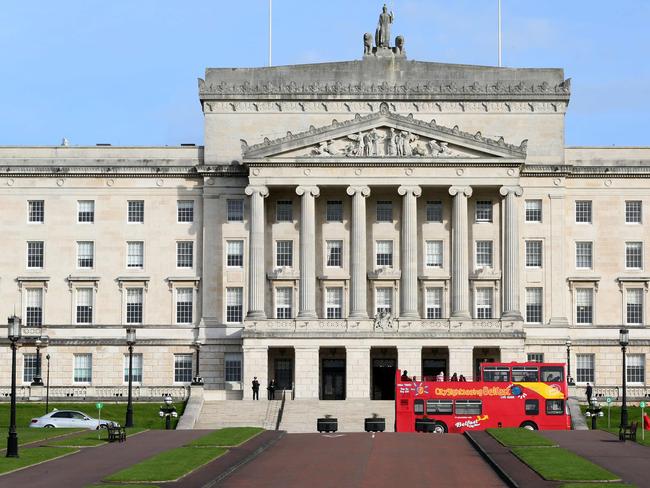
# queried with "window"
point(531, 407)
point(185, 210)
point(533, 210)
point(134, 301)
point(584, 305)
point(434, 303)
point(468, 407)
point(584, 252)
point(34, 307)
point(585, 368)
point(551, 374)
point(334, 211)
point(284, 254)
point(583, 211)
point(633, 255)
point(496, 373)
point(85, 254)
point(184, 254)
point(483, 254)
point(283, 302)
point(385, 253)
point(384, 211)
point(484, 303)
point(235, 210)
point(35, 212)
point(235, 254)
point(384, 300)
point(439, 407)
point(535, 357)
point(528, 374)
point(633, 211)
point(434, 254)
point(484, 211)
point(29, 367)
point(84, 309)
point(635, 368)
point(335, 254)
point(184, 302)
point(232, 363)
point(284, 211)
point(234, 305)
point(334, 302)
point(554, 407)
point(418, 407)
point(35, 254)
point(86, 211)
point(634, 306)
point(534, 305)
point(135, 254)
point(434, 211)
point(136, 212)
point(182, 368)
point(534, 254)
point(83, 368)
point(136, 376)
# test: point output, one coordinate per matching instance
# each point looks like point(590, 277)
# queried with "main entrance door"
point(431, 368)
point(333, 381)
point(383, 378)
point(283, 373)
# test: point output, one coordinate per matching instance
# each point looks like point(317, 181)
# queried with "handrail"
point(281, 410)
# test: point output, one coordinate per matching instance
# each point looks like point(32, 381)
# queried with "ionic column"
point(256, 279)
point(459, 253)
point(358, 283)
point(307, 309)
point(511, 254)
point(409, 252)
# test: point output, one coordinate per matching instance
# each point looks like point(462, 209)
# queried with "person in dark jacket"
point(589, 392)
point(272, 387)
point(405, 376)
point(256, 388)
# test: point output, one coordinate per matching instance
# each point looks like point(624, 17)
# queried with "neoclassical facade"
point(342, 220)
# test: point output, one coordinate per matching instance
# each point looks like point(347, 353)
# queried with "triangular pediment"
point(384, 135)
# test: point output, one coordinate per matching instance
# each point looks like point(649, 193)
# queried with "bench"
point(116, 433)
point(628, 431)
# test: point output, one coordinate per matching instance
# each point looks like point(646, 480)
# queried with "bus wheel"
point(529, 426)
point(439, 428)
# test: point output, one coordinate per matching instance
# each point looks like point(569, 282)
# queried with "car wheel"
point(529, 426)
point(49, 426)
point(440, 428)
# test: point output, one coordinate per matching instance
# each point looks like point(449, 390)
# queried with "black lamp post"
point(38, 379)
point(47, 388)
point(197, 380)
point(624, 340)
point(13, 332)
point(594, 411)
point(167, 411)
point(130, 340)
point(568, 363)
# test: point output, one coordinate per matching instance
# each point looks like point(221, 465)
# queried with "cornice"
point(59, 169)
point(571, 171)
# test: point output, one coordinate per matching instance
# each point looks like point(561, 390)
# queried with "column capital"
point(363, 190)
point(301, 190)
point(261, 189)
point(414, 189)
point(465, 190)
point(515, 190)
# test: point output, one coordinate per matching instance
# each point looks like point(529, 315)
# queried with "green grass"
point(104, 485)
point(27, 435)
point(31, 456)
point(89, 438)
point(519, 437)
point(557, 464)
point(169, 465)
point(230, 436)
point(145, 415)
point(596, 485)
point(633, 415)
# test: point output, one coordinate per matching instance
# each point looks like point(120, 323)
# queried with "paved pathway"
point(91, 465)
point(364, 460)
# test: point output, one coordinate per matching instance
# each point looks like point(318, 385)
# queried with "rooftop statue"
point(382, 34)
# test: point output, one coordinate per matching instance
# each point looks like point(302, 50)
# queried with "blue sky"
point(124, 71)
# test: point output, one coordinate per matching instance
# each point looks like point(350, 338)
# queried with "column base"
point(358, 315)
point(256, 314)
point(460, 315)
point(558, 322)
point(512, 315)
point(409, 315)
point(307, 315)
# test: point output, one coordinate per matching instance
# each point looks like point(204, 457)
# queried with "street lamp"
point(168, 411)
point(38, 380)
point(568, 363)
point(47, 388)
point(130, 340)
point(13, 332)
point(624, 340)
point(197, 380)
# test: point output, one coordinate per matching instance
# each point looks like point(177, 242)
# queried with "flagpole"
point(270, 32)
point(499, 33)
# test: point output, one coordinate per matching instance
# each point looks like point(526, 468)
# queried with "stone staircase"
point(235, 413)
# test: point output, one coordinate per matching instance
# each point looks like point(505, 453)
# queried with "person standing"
point(271, 389)
point(589, 392)
point(256, 388)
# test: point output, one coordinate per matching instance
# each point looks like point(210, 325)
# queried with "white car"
point(69, 419)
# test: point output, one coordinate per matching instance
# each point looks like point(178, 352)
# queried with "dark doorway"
point(333, 381)
point(484, 355)
point(383, 378)
point(432, 367)
point(284, 373)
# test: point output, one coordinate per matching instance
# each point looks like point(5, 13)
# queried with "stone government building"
point(342, 220)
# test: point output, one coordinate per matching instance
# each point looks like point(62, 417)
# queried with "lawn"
point(227, 437)
point(557, 464)
point(32, 456)
point(89, 438)
point(169, 465)
point(519, 437)
point(596, 485)
point(27, 435)
point(633, 414)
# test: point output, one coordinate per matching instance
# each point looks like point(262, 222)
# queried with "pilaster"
point(358, 281)
point(255, 364)
point(557, 271)
point(357, 372)
point(409, 248)
point(256, 279)
point(511, 254)
point(306, 373)
point(460, 250)
point(409, 358)
point(307, 308)
point(461, 361)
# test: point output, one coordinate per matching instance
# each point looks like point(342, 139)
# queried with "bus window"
point(554, 407)
point(418, 407)
point(525, 373)
point(496, 373)
point(532, 407)
point(468, 407)
point(440, 407)
point(552, 373)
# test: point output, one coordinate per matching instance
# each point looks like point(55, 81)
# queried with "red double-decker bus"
point(529, 395)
